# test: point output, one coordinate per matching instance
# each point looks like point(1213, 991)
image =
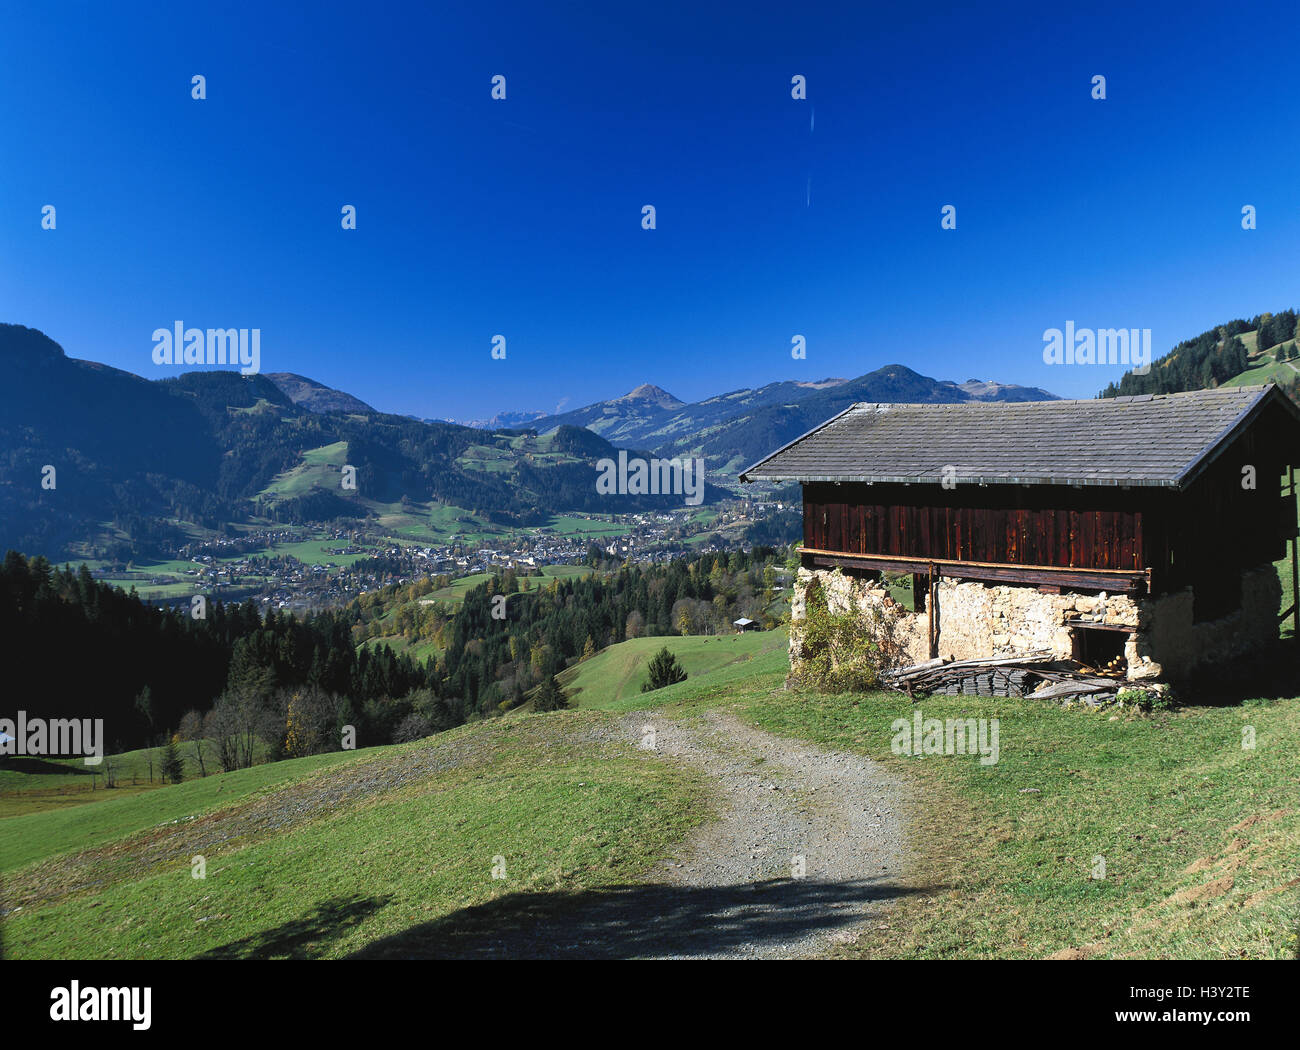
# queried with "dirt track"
point(734, 889)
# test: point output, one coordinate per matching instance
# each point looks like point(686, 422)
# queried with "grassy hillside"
point(29, 785)
point(616, 674)
point(318, 468)
point(326, 856)
point(40, 835)
point(1265, 367)
point(393, 843)
point(1214, 359)
point(1201, 838)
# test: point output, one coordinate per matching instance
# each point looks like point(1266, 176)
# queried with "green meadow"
point(1110, 833)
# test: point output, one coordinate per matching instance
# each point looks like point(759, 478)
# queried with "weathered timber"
point(1114, 580)
point(1057, 690)
point(1036, 675)
point(1098, 625)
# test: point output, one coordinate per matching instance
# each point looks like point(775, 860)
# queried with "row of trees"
point(98, 652)
point(1275, 328)
point(236, 687)
point(492, 662)
point(1210, 358)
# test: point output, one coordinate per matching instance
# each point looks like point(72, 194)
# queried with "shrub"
point(844, 652)
point(414, 726)
point(1146, 699)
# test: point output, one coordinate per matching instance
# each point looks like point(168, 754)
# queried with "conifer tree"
point(172, 767)
point(550, 697)
point(664, 670)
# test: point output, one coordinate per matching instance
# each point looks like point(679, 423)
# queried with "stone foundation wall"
point(984, 620)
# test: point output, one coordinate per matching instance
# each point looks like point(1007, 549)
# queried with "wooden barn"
point(1138, 532)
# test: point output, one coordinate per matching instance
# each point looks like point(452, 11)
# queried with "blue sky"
point(522, 217)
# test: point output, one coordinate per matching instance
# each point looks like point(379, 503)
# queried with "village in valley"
point(306, 568)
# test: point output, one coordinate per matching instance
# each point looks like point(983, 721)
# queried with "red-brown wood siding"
point(1216, 525)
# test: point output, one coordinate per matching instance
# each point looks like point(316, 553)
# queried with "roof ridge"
point(1125, 398)
point(1158, 439)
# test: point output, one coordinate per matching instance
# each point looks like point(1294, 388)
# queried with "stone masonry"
point(979, 620)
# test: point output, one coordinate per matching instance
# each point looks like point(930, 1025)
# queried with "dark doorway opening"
point(1101, 648)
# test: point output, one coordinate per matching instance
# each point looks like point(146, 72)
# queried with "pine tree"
point(550, 697)
point(172, 767)
point(664, 670)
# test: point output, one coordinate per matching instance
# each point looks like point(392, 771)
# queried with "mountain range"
point(98, 461)
point(735, 429)
point(728, 429)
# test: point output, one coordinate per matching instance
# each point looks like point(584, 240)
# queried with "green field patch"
point(1263, 370)
point(36, 836)
point(613, 677)
point(319, 468)
point(355, 867)
point(318, 552)
point(575, 525)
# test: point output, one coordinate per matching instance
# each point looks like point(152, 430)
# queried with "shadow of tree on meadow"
point(640, 921)
point(32, 764)
point(302, 938)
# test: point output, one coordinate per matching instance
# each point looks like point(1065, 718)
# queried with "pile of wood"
point(1036, 675)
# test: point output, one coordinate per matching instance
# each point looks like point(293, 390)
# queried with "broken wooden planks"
point(1037, 675)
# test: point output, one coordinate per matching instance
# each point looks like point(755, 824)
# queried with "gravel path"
point(807, 845)
point(808, 840)
point(731, 891)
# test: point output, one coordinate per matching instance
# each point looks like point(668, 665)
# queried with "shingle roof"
point(1150, 439)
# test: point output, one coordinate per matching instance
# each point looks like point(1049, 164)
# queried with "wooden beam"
point(932, 603)
point(1295, 562)
point(1094, 625)
point(1114, 580)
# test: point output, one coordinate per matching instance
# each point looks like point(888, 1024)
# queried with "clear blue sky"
point(522, 217)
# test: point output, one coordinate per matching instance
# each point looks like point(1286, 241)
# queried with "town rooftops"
point(1161, 440)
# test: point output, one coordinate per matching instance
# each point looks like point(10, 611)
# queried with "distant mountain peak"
point(990, 390)
point(315, 397)
point(820, 384)
point(30, 343)
point(501, 421)
point(654, 394)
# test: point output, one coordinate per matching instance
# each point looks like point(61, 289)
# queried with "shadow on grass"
point(1270, 674)
point(303, 938)
point(28, 764)
point(641, 921)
